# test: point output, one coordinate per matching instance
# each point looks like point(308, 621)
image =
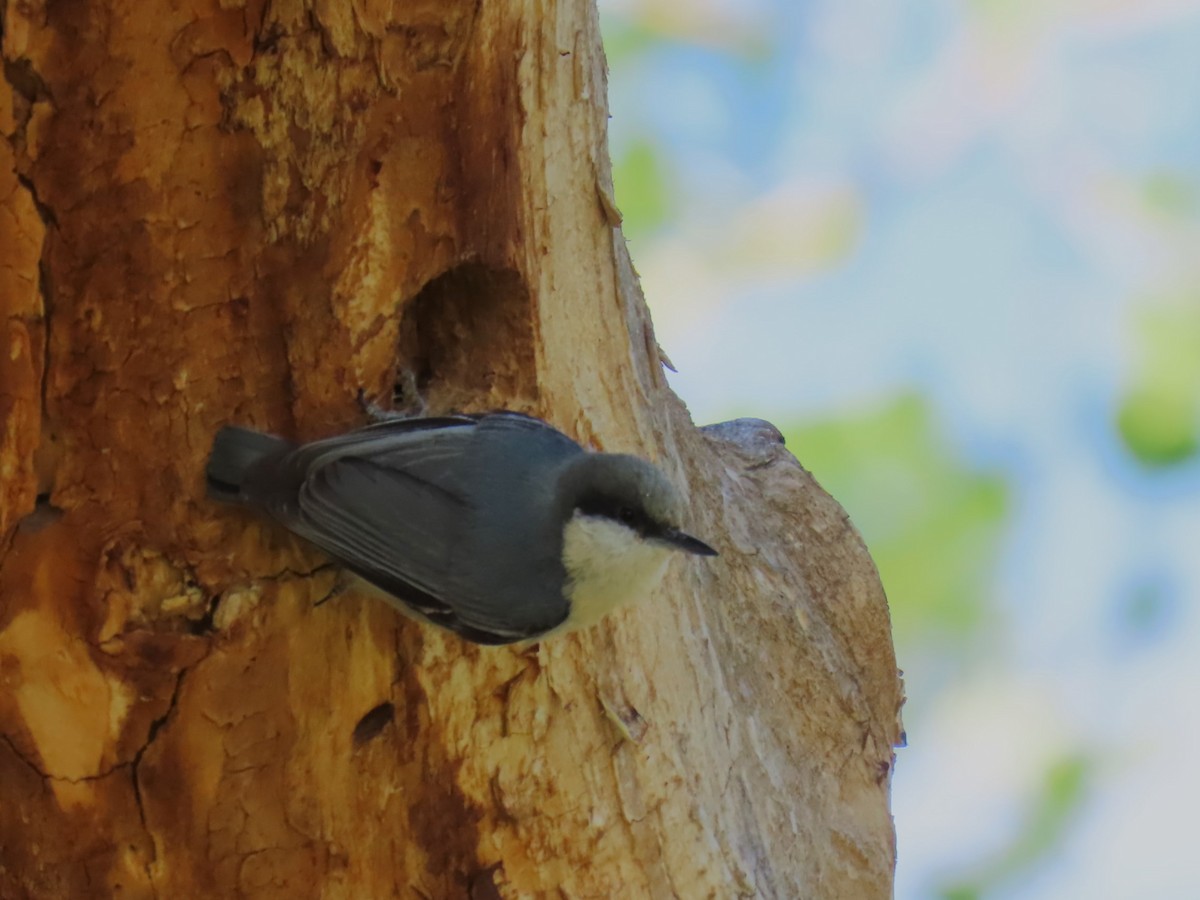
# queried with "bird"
point(497, 527)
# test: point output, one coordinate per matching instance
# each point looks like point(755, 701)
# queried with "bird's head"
point(621, 524)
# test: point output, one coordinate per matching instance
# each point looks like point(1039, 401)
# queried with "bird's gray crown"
point(625, 488)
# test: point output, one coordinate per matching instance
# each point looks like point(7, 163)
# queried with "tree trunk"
point(219, 213)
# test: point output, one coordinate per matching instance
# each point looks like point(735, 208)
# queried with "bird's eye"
point(626, 515)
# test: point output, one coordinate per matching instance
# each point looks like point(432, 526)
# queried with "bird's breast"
point(607, 565)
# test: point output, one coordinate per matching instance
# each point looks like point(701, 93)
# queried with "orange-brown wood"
point(212, 213)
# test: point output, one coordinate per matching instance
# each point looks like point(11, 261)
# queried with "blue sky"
point(963, 200)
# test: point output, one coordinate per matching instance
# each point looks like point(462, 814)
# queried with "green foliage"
point(1159, 416)
point(1170, 195)
point(1047, 823)
point(643, 189)
point(646, 32)
point(933, 525)
point(626, 38)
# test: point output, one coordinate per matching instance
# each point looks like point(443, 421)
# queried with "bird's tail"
point(234, 452)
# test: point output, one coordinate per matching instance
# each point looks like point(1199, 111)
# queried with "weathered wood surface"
point(215, 212)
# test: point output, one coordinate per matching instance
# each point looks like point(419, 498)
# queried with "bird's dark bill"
point(685, 542)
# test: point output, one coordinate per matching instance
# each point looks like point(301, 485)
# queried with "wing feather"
point(383, 522)
point(394, 503)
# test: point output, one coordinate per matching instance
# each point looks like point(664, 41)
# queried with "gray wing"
point(388, 502)
point(397, 504)
point(521, 589)
point(383, 522)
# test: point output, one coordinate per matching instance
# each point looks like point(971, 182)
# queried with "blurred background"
point(952, 248)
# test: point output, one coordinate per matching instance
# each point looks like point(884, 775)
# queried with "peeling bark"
point(256, 213)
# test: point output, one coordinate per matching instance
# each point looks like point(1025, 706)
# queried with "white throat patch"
point(607, 565)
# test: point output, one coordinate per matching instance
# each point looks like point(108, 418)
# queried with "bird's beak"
point(685, 542)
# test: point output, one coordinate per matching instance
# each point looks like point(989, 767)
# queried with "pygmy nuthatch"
point(497, 527)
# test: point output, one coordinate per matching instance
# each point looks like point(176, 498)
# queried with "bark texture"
point(222, 212)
